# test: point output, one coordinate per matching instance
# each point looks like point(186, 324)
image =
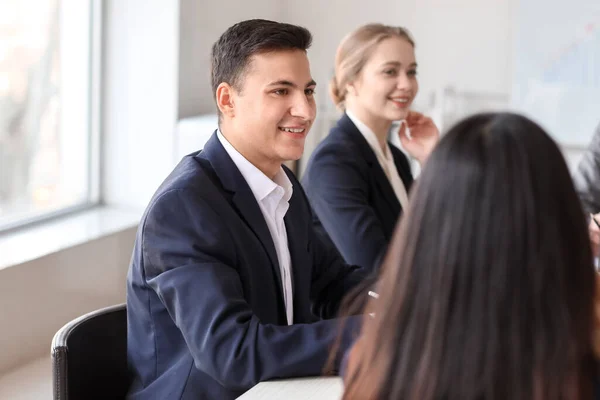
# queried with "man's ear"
point(224, 96)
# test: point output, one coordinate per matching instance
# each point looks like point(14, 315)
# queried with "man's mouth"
point(292, 130)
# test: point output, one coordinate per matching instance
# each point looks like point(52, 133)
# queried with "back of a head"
point(487, 291)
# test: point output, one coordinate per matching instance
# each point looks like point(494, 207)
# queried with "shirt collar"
point(260, 184)
point(369, 136)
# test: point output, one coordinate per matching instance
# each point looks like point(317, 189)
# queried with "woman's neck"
point(379, 126)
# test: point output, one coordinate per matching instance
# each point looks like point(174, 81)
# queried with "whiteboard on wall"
point(556, 67)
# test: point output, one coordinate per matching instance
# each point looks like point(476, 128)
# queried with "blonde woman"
point(356, 181)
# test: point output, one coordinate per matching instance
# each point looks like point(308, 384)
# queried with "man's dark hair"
point(232, 52)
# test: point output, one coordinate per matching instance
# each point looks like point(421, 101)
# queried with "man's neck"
point(266, 166)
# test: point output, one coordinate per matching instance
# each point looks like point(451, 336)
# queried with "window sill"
point(37, 241)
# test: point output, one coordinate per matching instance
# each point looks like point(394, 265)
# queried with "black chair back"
point(89, 356)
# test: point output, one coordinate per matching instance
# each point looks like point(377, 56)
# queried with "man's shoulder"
point(192, 178)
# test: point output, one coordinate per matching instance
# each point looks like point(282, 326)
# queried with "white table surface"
point(313, 388)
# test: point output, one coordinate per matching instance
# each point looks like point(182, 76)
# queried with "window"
point(47, 108)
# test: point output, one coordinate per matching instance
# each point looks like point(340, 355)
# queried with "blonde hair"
point(353, 53)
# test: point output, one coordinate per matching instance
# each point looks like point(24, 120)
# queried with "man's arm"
point(333, 279)
point(189, 261)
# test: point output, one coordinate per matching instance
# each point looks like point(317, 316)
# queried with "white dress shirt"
point(385, 158)
point(272, 197)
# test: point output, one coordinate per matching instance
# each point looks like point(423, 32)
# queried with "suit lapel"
point(386, 187)
point(297, 246)
point(250, 211)
point(403, 167)
point(297, 224)
point(346, 124)
point(243, 198)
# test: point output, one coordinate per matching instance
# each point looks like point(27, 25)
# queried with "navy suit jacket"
point(206, 316)
point(353, 201)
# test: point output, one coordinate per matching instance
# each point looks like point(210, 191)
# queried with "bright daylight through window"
point(45, 114)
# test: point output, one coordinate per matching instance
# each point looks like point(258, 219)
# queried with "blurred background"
point(100, 99)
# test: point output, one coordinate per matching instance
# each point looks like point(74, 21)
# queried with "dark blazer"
point(354, 203)
point(206, 316)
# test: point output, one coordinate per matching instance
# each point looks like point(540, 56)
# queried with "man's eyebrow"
point(284, 82)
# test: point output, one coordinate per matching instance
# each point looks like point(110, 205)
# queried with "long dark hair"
point(487, 289)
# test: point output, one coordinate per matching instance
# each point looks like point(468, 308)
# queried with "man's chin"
point(293, 154)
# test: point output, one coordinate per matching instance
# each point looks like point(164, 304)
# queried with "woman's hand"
point(424, 135)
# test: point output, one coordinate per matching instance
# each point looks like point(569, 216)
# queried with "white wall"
point(140, 99)
point(40, 296)
point(202, 22)
point(465, 43)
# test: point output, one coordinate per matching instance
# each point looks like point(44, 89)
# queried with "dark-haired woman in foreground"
point(487, 291)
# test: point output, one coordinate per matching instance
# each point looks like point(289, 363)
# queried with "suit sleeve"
point(338, 193)
point(189, 261)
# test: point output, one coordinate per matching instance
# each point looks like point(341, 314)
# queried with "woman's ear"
point(351, 89)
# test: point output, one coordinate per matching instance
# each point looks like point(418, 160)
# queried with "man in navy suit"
point(228, 285)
